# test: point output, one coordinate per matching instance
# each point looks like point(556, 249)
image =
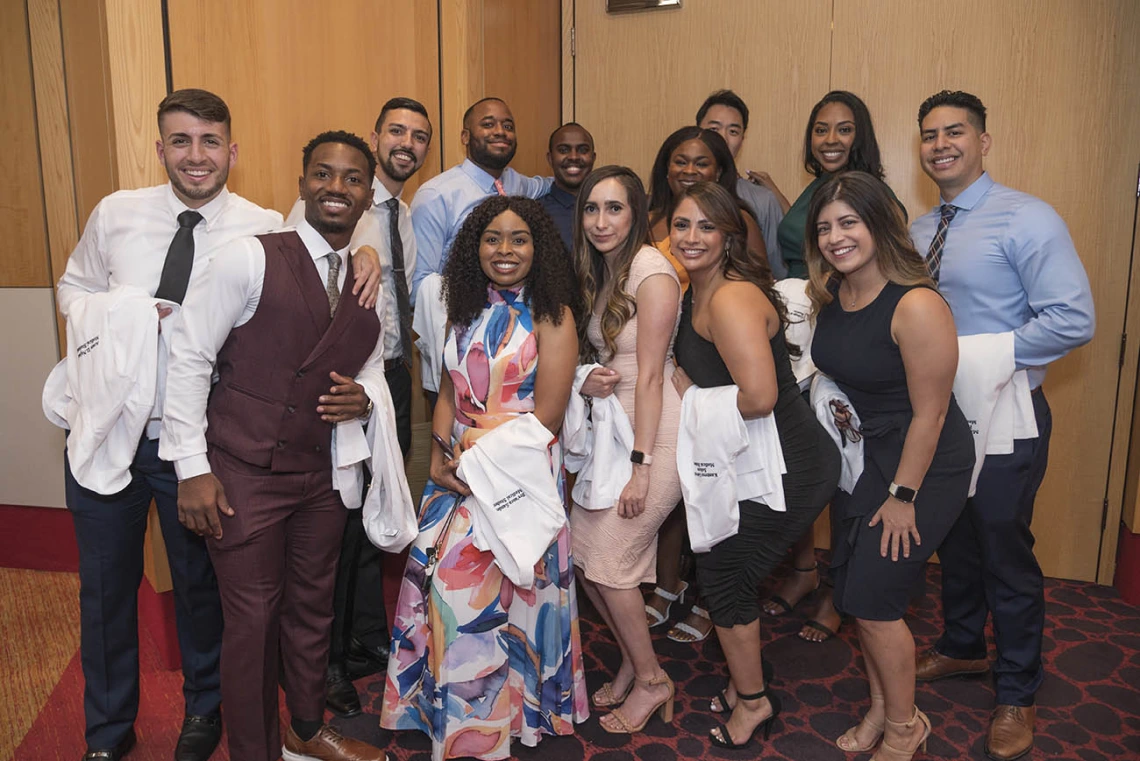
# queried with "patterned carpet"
point(1088, 708)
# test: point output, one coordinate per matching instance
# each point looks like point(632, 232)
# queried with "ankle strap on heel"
point(755, 695)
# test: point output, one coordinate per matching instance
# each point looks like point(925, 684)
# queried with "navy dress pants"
point(988, 568)
point(110, 533)
point(358, 598)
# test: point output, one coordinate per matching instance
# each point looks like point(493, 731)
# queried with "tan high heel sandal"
point(665, 708)
point(888, 752)
point(606, 697)
point(847, 743)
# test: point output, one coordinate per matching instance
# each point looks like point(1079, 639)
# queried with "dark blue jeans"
point(110, 532)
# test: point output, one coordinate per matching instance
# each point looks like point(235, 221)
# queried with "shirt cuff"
point(194, 465)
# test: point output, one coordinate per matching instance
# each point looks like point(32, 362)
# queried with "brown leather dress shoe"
point(933, 665)
point(1011, 732)
point(329, 745)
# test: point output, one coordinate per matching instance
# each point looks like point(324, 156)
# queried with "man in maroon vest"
point(276, 315)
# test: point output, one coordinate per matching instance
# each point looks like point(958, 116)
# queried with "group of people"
point(743, 362)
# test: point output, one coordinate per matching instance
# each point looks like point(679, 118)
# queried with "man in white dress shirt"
point(276, 318)
point(153, 239)
point(360, 639)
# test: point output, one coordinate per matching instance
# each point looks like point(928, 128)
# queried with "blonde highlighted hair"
point(870, 199)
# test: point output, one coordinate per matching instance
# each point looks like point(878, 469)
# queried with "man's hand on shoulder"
point(366, 276)
point(199, 500)
point(345, 401)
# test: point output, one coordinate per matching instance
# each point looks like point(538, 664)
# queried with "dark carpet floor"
point(1088, 707)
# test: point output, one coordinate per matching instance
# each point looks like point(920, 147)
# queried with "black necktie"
point(179, 260)
point(403, 303)
point(934, 255)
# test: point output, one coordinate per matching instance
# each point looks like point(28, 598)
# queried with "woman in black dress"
point(732, 333)
point(887, 338)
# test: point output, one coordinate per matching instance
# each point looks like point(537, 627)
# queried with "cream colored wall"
point(31, 448)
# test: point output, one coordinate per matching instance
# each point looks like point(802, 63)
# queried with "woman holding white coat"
point(732, 333)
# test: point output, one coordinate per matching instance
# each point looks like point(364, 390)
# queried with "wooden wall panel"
point(522, 65)
point(87, 70)
point(24, 255)
point(137, 63)
point(53, 127)
point(640, 76)
point(287, 74)
point(1059, 79)
point(460, 70)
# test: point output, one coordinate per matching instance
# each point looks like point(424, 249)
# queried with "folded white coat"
point(800, 327)
point(104, 390)
point(429, 321)
point(389, 515)
point(823, 393)
point(597, 440)
point(516, 511)
point(722, 460)
point(994, 396)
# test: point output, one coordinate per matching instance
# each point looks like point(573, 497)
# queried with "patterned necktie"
point(331, 289)
point(499, 187)
point(934, 255)
point(179, 260)
point(403, 303)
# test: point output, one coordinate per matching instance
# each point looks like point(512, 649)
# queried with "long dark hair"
point(720, 209)
point(550, 284)
point(590, 263)
point(895, 253)
point(661, 195)
point(864, 154)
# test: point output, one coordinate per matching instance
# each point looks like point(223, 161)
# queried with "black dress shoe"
point(340, 694)
point(362, 660)
point(200, 736)
point(113, 754)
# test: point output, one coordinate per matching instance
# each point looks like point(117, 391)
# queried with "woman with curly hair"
point(476, 660)
point(689, 155)
point(631, 303)
point(732, 334)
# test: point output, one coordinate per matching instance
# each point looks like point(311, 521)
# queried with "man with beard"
point(400, 143)
point(443, 202)
point(153, 239)
point(253, 453)
point(570, 154)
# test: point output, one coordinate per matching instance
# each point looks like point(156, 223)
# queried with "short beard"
point(198, 194)
point(395, 174)
point(487, 159)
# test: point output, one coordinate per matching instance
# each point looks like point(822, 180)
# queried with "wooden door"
point(1062, 82)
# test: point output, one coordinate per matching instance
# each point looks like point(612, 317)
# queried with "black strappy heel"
point(769, 676)
point(724, 740)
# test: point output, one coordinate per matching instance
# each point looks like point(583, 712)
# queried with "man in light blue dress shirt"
point(1005, 262)
point(443, 202)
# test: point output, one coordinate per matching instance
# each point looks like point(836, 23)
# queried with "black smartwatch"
point(902, 493)
point(640, 458)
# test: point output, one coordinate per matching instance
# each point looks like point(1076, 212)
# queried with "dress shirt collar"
point(970, 197)
point(484, 180)
point(316, 244)
point(564, 199)
point(380, 194)
point(210, 212)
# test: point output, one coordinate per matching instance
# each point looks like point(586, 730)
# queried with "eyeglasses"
point(841, 414)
